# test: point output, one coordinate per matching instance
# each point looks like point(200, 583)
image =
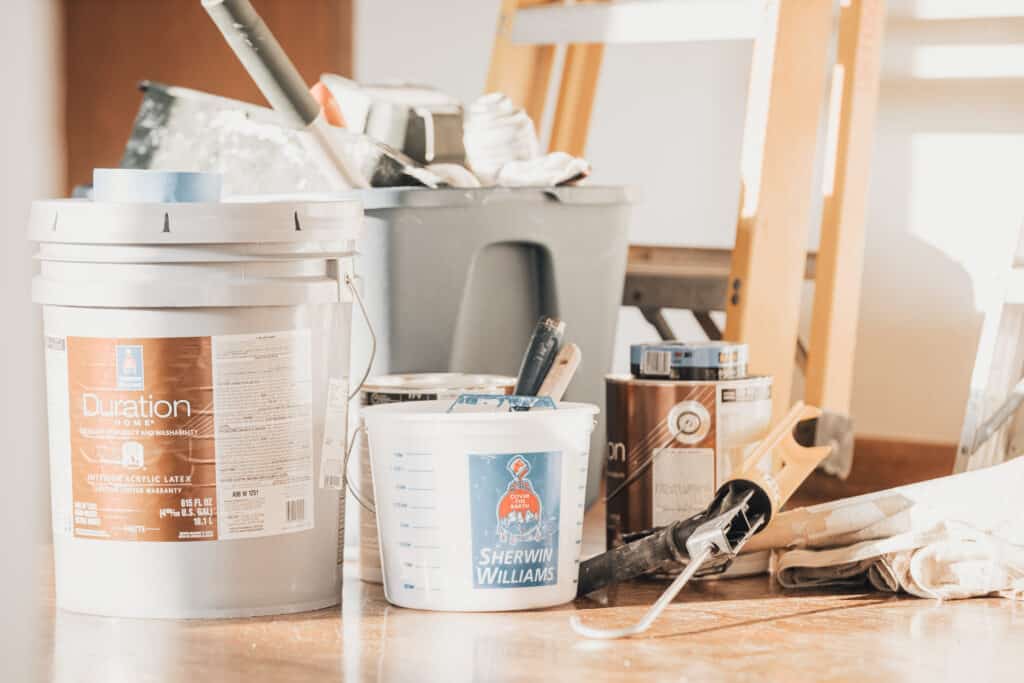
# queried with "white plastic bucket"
point(197, 362)
point(479, 511)
point(397, 389)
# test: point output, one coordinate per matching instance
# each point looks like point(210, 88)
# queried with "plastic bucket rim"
point(413, 411)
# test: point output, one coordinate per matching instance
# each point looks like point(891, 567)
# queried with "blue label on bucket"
point(514, 502)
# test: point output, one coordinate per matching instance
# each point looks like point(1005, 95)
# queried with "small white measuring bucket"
point(479, 511)
point(197, 363)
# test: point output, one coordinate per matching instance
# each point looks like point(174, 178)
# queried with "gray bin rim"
point(421, 197)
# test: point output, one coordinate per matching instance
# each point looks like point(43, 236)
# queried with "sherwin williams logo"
point(515, 513)
point(130, 372)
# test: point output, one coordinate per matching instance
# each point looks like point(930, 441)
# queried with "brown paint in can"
point(672, 443)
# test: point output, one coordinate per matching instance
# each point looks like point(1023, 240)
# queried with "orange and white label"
point(188, 438)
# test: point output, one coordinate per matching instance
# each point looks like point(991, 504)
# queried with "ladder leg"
point(522, 72)
point(784, 105)
point(997, 367)
point(851, 125)
point(576, 98)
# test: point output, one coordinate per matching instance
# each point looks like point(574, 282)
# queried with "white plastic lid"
point(81, 221)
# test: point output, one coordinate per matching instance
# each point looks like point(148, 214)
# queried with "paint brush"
point(280, 82)
point(561, 372)
point(540, 354)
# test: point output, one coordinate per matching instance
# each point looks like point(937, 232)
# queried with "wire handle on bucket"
point(350, 282)
point(344, 472)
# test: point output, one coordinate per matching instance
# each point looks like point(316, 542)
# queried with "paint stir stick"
point(561, 372)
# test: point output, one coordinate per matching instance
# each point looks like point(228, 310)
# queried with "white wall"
point(668, 118)
point(30, 166)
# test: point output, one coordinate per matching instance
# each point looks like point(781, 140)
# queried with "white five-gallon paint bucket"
point(479, 511)
point(197, 362)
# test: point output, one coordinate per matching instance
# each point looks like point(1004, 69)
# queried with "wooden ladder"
point(794, 45)
point(993, 429)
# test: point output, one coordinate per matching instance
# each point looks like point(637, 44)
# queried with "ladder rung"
point(660, 21)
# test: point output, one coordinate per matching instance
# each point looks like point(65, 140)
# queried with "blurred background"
point(947, 170)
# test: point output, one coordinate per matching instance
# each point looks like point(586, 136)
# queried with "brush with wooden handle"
point(561, 372)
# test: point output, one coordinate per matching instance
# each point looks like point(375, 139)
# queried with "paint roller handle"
point(264, 58)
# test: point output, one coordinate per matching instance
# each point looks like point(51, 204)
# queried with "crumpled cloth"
point(954, 537)
point(502, 148)
point(557, 168)
point(947, 562)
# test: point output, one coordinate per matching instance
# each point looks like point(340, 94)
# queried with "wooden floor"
point(743, 629)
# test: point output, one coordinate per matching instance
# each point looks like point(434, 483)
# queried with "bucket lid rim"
point(429, 381)
point(414, 411)
point(82, 221)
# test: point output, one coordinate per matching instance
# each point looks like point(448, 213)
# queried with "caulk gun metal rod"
point(264, 58)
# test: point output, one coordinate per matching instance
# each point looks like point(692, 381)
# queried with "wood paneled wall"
point(111, 45)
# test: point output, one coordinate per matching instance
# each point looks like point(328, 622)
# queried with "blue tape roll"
point(130, 185)
point(689, 360)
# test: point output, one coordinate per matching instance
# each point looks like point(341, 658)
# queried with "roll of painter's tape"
point(713, 360)
point(132, 185)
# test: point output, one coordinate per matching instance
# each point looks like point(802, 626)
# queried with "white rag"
point(502, 148)
point(955, 537)
point(947, 562)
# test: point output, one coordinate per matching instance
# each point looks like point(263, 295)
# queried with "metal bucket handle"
point(344, 469)
point(350, 282)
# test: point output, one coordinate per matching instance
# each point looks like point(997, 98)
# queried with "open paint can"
point(479, 511)
point(195, 355)
point(422, 386)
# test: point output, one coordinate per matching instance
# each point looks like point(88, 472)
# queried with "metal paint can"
point(400, 389)
point(672, 443)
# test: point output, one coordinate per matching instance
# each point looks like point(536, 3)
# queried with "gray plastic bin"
point(456, 280)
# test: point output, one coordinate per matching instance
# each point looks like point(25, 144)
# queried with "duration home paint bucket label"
point(188, 438)
point(515, 516)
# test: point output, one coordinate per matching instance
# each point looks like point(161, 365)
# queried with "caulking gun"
point(709, 541)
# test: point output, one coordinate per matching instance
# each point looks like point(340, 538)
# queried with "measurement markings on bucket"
point(419, 539)
point(584, 458)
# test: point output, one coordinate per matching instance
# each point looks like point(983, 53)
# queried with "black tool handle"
point(540, 354)
point(668, 544)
